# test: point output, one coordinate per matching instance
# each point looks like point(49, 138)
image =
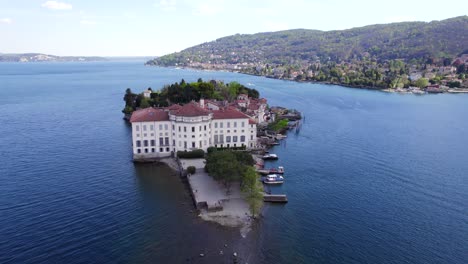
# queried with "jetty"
point(275, 198)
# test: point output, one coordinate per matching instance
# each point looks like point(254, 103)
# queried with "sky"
point(158, 27)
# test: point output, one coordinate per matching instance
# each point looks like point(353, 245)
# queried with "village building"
point(161, 132)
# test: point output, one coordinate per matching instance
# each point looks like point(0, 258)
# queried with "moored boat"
point(273, 179)
point(270, 157)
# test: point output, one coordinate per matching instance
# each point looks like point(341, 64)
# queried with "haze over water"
point(371, 177)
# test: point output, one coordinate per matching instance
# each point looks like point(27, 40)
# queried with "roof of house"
point(149, 115)
point(228, 113)
point(190, 109)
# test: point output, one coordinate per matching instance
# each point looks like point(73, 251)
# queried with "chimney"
point(202, 103)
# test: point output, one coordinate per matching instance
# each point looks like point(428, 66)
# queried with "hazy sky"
point(158, 27)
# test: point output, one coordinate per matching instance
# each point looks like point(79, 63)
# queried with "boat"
point(270, 157)
point(273, 179)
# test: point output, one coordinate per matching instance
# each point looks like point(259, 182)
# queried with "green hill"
point(408, 40)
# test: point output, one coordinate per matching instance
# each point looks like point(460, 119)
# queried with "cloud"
point(167, 5)
point(87, 22)
point(55, 5)
point(6, 20)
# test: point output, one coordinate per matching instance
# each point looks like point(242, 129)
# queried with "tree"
point(252, 189)
point(223, 166)
point(422, 83)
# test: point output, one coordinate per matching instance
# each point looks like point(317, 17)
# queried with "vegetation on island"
point(381, 56)
point(229, 166)
point(183, 92)
point(278, 125)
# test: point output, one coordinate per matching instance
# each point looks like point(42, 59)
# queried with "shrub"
point(191, 169)
point(194, 154)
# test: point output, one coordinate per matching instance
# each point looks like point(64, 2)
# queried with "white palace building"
point(160, 132)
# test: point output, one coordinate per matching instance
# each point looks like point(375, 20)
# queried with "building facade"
point(161, 132)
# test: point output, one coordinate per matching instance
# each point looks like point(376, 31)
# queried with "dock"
point(275, 198)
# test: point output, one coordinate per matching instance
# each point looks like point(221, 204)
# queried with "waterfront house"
point(161, 132)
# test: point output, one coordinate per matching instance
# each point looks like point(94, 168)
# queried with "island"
point(414, 57)
point(216, 136)
point(39, 57)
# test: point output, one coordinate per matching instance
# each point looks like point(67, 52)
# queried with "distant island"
point(39, 57)
point(395, 57)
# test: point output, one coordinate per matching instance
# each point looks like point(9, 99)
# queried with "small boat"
point(280, 170)
point(270, 157)
point(273, 179)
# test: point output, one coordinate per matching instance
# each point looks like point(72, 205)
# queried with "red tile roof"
point(228, 113)
point(149, 115)
point(174, 107)
point(252, 122)
point(190, 109)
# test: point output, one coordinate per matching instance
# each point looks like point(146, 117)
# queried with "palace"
point(161, 132)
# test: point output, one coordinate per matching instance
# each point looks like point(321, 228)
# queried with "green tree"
point(422, 83)
point(253, 190)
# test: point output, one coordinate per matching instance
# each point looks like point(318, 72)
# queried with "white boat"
point(270, 157)
point(273, 179)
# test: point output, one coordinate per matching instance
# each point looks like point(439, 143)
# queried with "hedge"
point(194, 154)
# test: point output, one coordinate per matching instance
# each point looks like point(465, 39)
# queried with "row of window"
point(228, 124)
point(151, 127)
point(152, 143)
point(152, 150)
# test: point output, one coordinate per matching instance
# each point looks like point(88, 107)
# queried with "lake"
point(371, 177)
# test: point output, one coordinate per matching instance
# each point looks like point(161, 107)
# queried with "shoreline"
point(385, 90)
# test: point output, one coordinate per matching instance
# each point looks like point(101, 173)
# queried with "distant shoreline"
point(387, 90)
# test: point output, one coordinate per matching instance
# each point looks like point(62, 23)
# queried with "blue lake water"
point(371, 177)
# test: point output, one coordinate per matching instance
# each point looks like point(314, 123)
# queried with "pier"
point(275, 198)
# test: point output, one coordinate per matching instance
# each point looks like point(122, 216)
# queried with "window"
point(235, 124)
point(138, 143)
point(166, 141)
point(173, 127)
point(166, 127)
point(216, 125)
point(221, 138)
point(193, 129)
point(216, 139)
point(151, 127)
point(221, 124)
point(251, 137)
point(185, 144)
point(153, 143)
point(146, 150)
point(199, 128)
point(161, 150)
point(144, 127)
point(161, 141)
point(138, 135)
point(160, 126)
point(167, 149)
point(193, 144)
point(179, 128)
point(152, 134)
point(180, 143)
point(144, 135)
point(242, 124)
point(229, 131)
point(137, 127)
point(173, 142)
point(152, 150)
point(234, 138)
point(242, 139)
point(185, 129)
point(138, 150)
point(205, 128)
point(201, 144)
point(228, 138)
